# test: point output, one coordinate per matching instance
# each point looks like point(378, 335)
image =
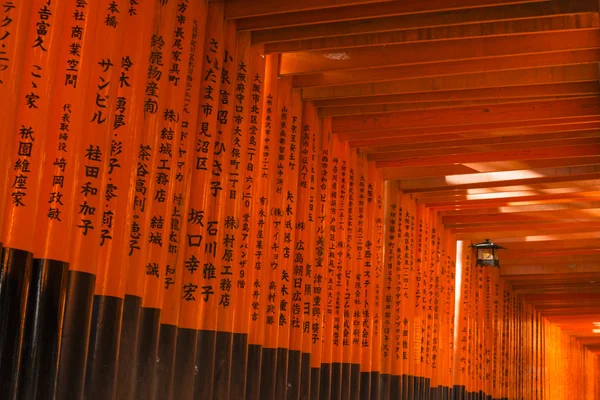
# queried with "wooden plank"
point(489, 220)
point(363, 11)
point(556, 259)
point(417, 53)
point(429, 20)
point(387, 108)
point(569, 22)
point(482, 143)
point(586, 107)
point(512, 128)
point(565, 195)
point(557, 187)
point(524, 229)
point(514, 155)
point(441, 170)
point(475, 81)
point(481, 235)
point(446, 68)
point(471, 216)
point(556, 245)
point(510, 92)
point(507, 255)
point(537, 269)
point(493, 179)
point(245, 8)
point(467, 154)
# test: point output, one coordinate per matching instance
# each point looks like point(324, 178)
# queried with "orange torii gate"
point(178, 223)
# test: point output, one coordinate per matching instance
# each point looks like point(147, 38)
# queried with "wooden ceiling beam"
point(453, 50)
point(583, 209)
point(429, 20)
point(481, 142)
point(245, 8)
point(562, 259)
point(399, 173)
point(526, 150)
point(361, 11)
point(571, 22)
point(556, 245)
point(553, 188)
point(510, 92)
point(531, 254)
point(460, 67)
point(476, 81)
point(588, 148)
point(505, 199)
point(493, 179)
point(538, 269)
point(481, 233)
point(387, 108)
point(480, 236)
point(573, 108)
point(383, 137)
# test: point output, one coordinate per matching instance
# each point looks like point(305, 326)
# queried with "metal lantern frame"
point(487, 253)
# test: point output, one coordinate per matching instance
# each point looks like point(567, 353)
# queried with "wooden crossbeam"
point(536, 269)
point(474, 81)
point(553, 188)
point(446, 18)
point(482, 142)
point(580, 150)
point(416, 53)
point(398, 173)
point(573, 108)
point(584, 209)
point(508, 92)
point(387, 108)
point(445, 68)
point(504, 199)
point(253, 21)
point(493, 179)
point(518, 150)
point(588, 20)
point(245, 8)
point(404, 136)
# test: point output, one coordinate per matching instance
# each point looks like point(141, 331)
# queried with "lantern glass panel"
point(485, 254)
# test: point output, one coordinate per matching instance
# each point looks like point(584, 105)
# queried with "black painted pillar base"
point(222, 374)
point(147, 353)
point(239, 366)
point(205, 364)
point(305, 377)
point(325, 382)
point(315, 383)
point(268, 373)
point(165, 368)
point(365, 385)
point(185, 363)
point(76, 334)
point(281, 376)
point(103, 350)
point(128, 346)
point(396, 387)
point(294, 371)
point(254, 372)
point(43, 330)
point(14, 291)
point(336, 381)
point(375, 385)
point(355, 381)
point(384, 386)
point(404, 385)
